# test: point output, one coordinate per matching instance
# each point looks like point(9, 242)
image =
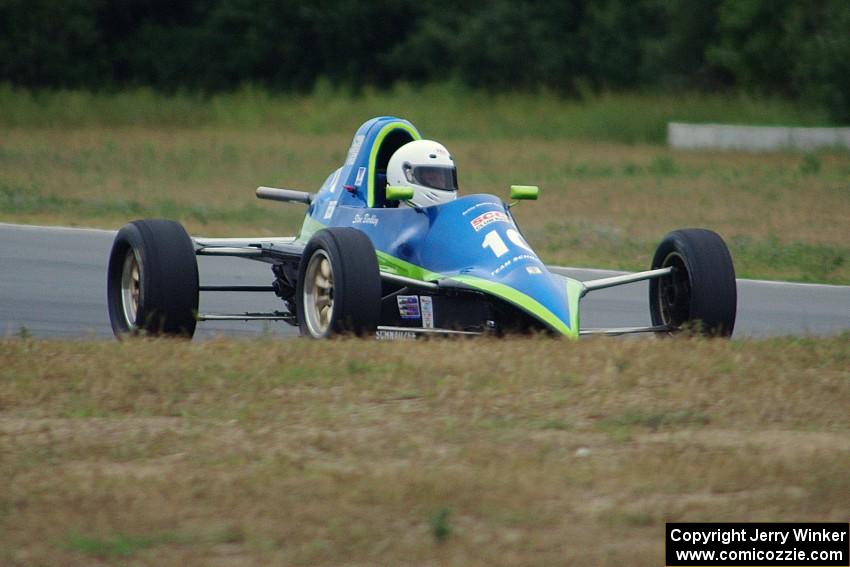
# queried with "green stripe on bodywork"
point(521, 300)
point(373, 154)
point(575, 289)
point(310, 227)
point(393, 265)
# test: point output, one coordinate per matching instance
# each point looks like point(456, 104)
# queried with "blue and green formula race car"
point(389, 249)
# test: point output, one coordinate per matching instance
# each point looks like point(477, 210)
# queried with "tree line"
point(790, 48)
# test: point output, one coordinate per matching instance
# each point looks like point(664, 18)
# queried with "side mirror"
point(524, 192)
point(399, 193)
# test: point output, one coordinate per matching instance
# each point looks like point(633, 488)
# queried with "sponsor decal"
point(329, 210)
point(513, 261)
point(361, 173)
point(408, 306)
point(427, 311)
point(533, 270)
point(365, 219)
point(476, 205)
point(484, 219)
point(395, 335)
point(335, 179)
point(354, 149)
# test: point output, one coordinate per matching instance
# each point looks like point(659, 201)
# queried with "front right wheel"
point(339, 285)
point(700, 293)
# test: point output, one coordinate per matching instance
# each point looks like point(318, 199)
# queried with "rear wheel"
point(700, 294)
point(152, 280)
point(339, 285)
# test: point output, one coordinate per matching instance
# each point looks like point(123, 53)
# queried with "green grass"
point(466, 452)
point(16, 200)
point(117, 545)
point(442, 111)
point(769, 257)
point(84, 159)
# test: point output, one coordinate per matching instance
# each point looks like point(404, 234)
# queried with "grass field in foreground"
point(785, 216)
point(515, 452)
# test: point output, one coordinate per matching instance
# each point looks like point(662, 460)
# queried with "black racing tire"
point(152, 280)
point(700, 295)
point(339, 285)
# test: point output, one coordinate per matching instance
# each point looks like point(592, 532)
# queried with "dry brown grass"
point(603, 205)
point(521, 452)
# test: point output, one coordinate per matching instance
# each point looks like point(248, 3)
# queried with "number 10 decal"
point(494, 242)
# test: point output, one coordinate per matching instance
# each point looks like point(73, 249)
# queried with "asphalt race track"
point(53, 284)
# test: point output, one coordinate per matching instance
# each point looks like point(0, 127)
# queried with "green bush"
point(794, 48)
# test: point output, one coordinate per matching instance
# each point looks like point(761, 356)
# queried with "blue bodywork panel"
point(472, 241)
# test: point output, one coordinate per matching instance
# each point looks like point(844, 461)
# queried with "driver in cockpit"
point(427, 167)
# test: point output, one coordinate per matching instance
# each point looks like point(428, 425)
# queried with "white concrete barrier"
point(754, 138)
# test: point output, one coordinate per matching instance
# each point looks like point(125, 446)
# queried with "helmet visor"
point(443, 178)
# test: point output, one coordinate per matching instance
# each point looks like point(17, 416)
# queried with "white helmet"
point(428, 168)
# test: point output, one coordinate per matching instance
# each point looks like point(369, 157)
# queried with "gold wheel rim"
point(319, 294)
point(131, 289)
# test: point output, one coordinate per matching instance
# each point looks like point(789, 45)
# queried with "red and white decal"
point(484, 219)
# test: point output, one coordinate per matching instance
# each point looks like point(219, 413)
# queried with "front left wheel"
point(700, 293)
point(152, 280)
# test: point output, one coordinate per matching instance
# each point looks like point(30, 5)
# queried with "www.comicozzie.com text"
point(743, 534)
